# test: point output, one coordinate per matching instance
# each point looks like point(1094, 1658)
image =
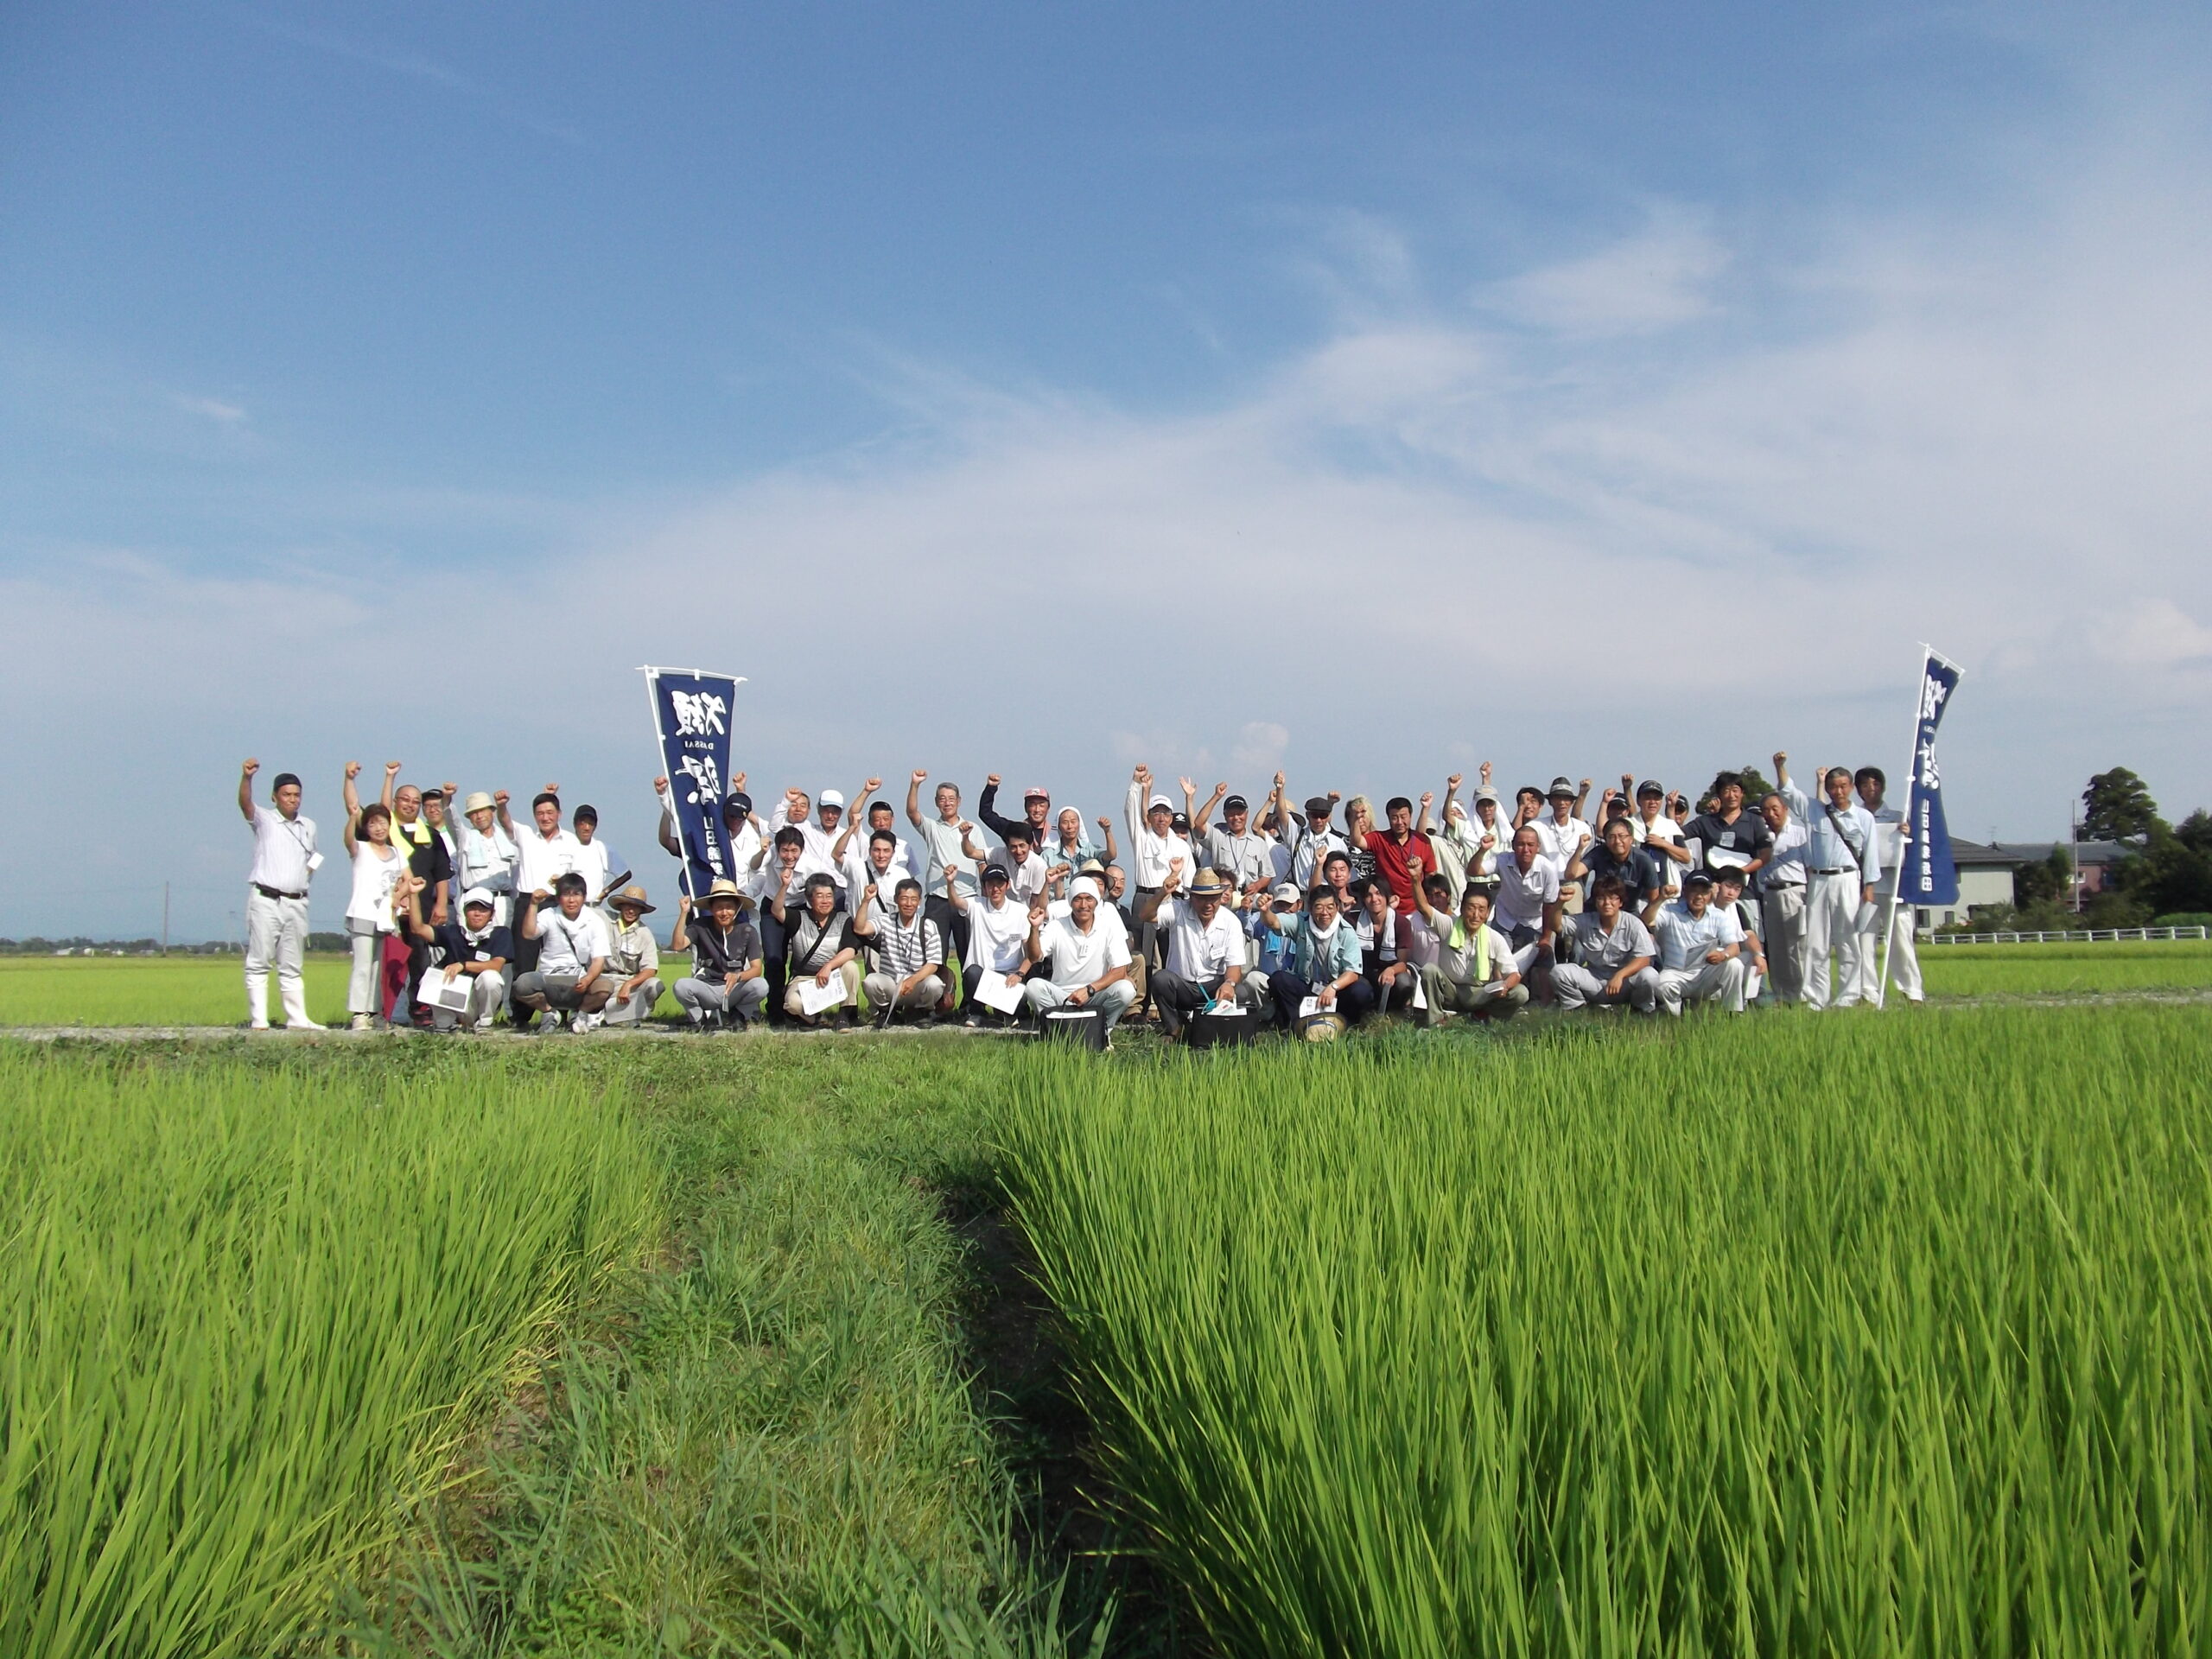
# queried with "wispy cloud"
point(213, 408)
point(426, 71)
point(1660, 277)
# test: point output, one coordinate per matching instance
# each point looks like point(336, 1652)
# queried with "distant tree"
point(2194, 831)
point(2117, 806)
point(1756, 786)
point(2110, 909)
point(2045, 881)
point(2169, 874)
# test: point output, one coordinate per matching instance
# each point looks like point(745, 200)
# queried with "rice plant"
point(250, 1308)
point(1864, 1336)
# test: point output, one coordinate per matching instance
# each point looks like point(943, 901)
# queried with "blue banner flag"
point(1929, 876)
point(692, 711)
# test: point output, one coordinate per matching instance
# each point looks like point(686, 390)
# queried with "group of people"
point(1311, 915)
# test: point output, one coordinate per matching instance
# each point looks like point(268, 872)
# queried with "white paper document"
point(814, 998)
point(1420, 993)
point(997, 992)
point(1309, 1008)
point(437, 992)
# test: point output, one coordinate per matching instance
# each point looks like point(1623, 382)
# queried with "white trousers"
point(1831, 925)
point(487, 995)
point(631, 1011)
point(1904, 951)
point(1782, 912)
point(1709, 981)
point(276, 932)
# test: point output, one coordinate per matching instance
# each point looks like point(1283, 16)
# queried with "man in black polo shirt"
point(1635, 868)
point(1728, 837)
point(474, 950)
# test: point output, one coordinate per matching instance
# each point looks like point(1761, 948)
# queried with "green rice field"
point(206, 990)
point(1884, 1334)
point(1871, 1338)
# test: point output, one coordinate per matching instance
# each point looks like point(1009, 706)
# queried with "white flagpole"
point(1905, 823)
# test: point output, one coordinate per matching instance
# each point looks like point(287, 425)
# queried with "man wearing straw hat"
point(633, 959)
point(726, 984)
point(1204, 957)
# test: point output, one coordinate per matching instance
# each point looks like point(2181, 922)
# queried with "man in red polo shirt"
point(1401, 841)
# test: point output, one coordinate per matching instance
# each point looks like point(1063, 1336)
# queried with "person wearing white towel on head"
point(1083, 961)
point(1843, 864)
point(1700, 951)
point(284, 861)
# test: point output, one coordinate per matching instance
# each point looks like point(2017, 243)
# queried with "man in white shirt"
point(1613, 955)
point(1312, 841)
point(1843, 866)
point(284, 861)
point(1700, 951)
point(597, 862)
point(998, 936)
point(1659, 834)
point(1151, 819)
point(1083, 960)
point(1904, 951)
point(948, 847)
point(572, 951)
point(779, 883)
point(1474, 972)
point(1025, 867)
point(1526, 903)
point(872, 880)
point(1565, 837)
point(820, 834)
point(1203, 956)
point(853, 847)
point(1781, 883)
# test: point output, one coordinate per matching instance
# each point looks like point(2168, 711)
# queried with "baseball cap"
point(1649, 786)
point(831, 797)
point(739, 802)
point(1285, 893)
point(1697, 879)
point(1180, 824)
point(995, 873)
point(1036, 792)
point(1484, 793)
point(1160, 800)
point(477, 896)
point(1237, 803)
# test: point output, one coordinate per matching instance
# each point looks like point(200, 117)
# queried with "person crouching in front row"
point(633, 959)
point(572, 951)
point(1083, 958)
point(1613, 955)
point(1322, 962)
point(726, 983)
point(909, 952)
point(1474, 972)
point(822, 952)
point(477, 947)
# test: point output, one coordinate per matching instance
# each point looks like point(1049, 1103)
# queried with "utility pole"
point(165, 919)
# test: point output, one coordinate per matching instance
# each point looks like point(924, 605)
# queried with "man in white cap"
point(1036, 815)
point(727, 983)
point(821, 833)
point(284, 861)
point(1203, 960)
point(998, 936)
point(632, 958)
point(479, 948)
point(1700, 950)
point(1083, 961)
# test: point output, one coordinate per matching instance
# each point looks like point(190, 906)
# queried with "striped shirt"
point(903, 950)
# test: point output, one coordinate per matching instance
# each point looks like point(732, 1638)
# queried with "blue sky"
point(1367, 392)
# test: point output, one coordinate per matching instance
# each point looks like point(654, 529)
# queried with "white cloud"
point(1660, 278)
point(213, 408)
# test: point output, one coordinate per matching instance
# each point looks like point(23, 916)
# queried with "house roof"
point(1987, 854)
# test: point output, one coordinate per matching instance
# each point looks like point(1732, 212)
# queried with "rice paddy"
point(1884, 1334)
point(1877, 1336)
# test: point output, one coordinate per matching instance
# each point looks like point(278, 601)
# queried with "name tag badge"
point(483, 956)
point(315, 862)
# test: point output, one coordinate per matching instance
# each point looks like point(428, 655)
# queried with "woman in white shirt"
point(372, 911)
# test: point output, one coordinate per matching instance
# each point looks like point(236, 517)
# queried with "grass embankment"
point(248, 1307)
point(2078, 968)
point(1837, 1336)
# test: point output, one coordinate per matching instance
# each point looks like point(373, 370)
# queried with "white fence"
point(2092, 935)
